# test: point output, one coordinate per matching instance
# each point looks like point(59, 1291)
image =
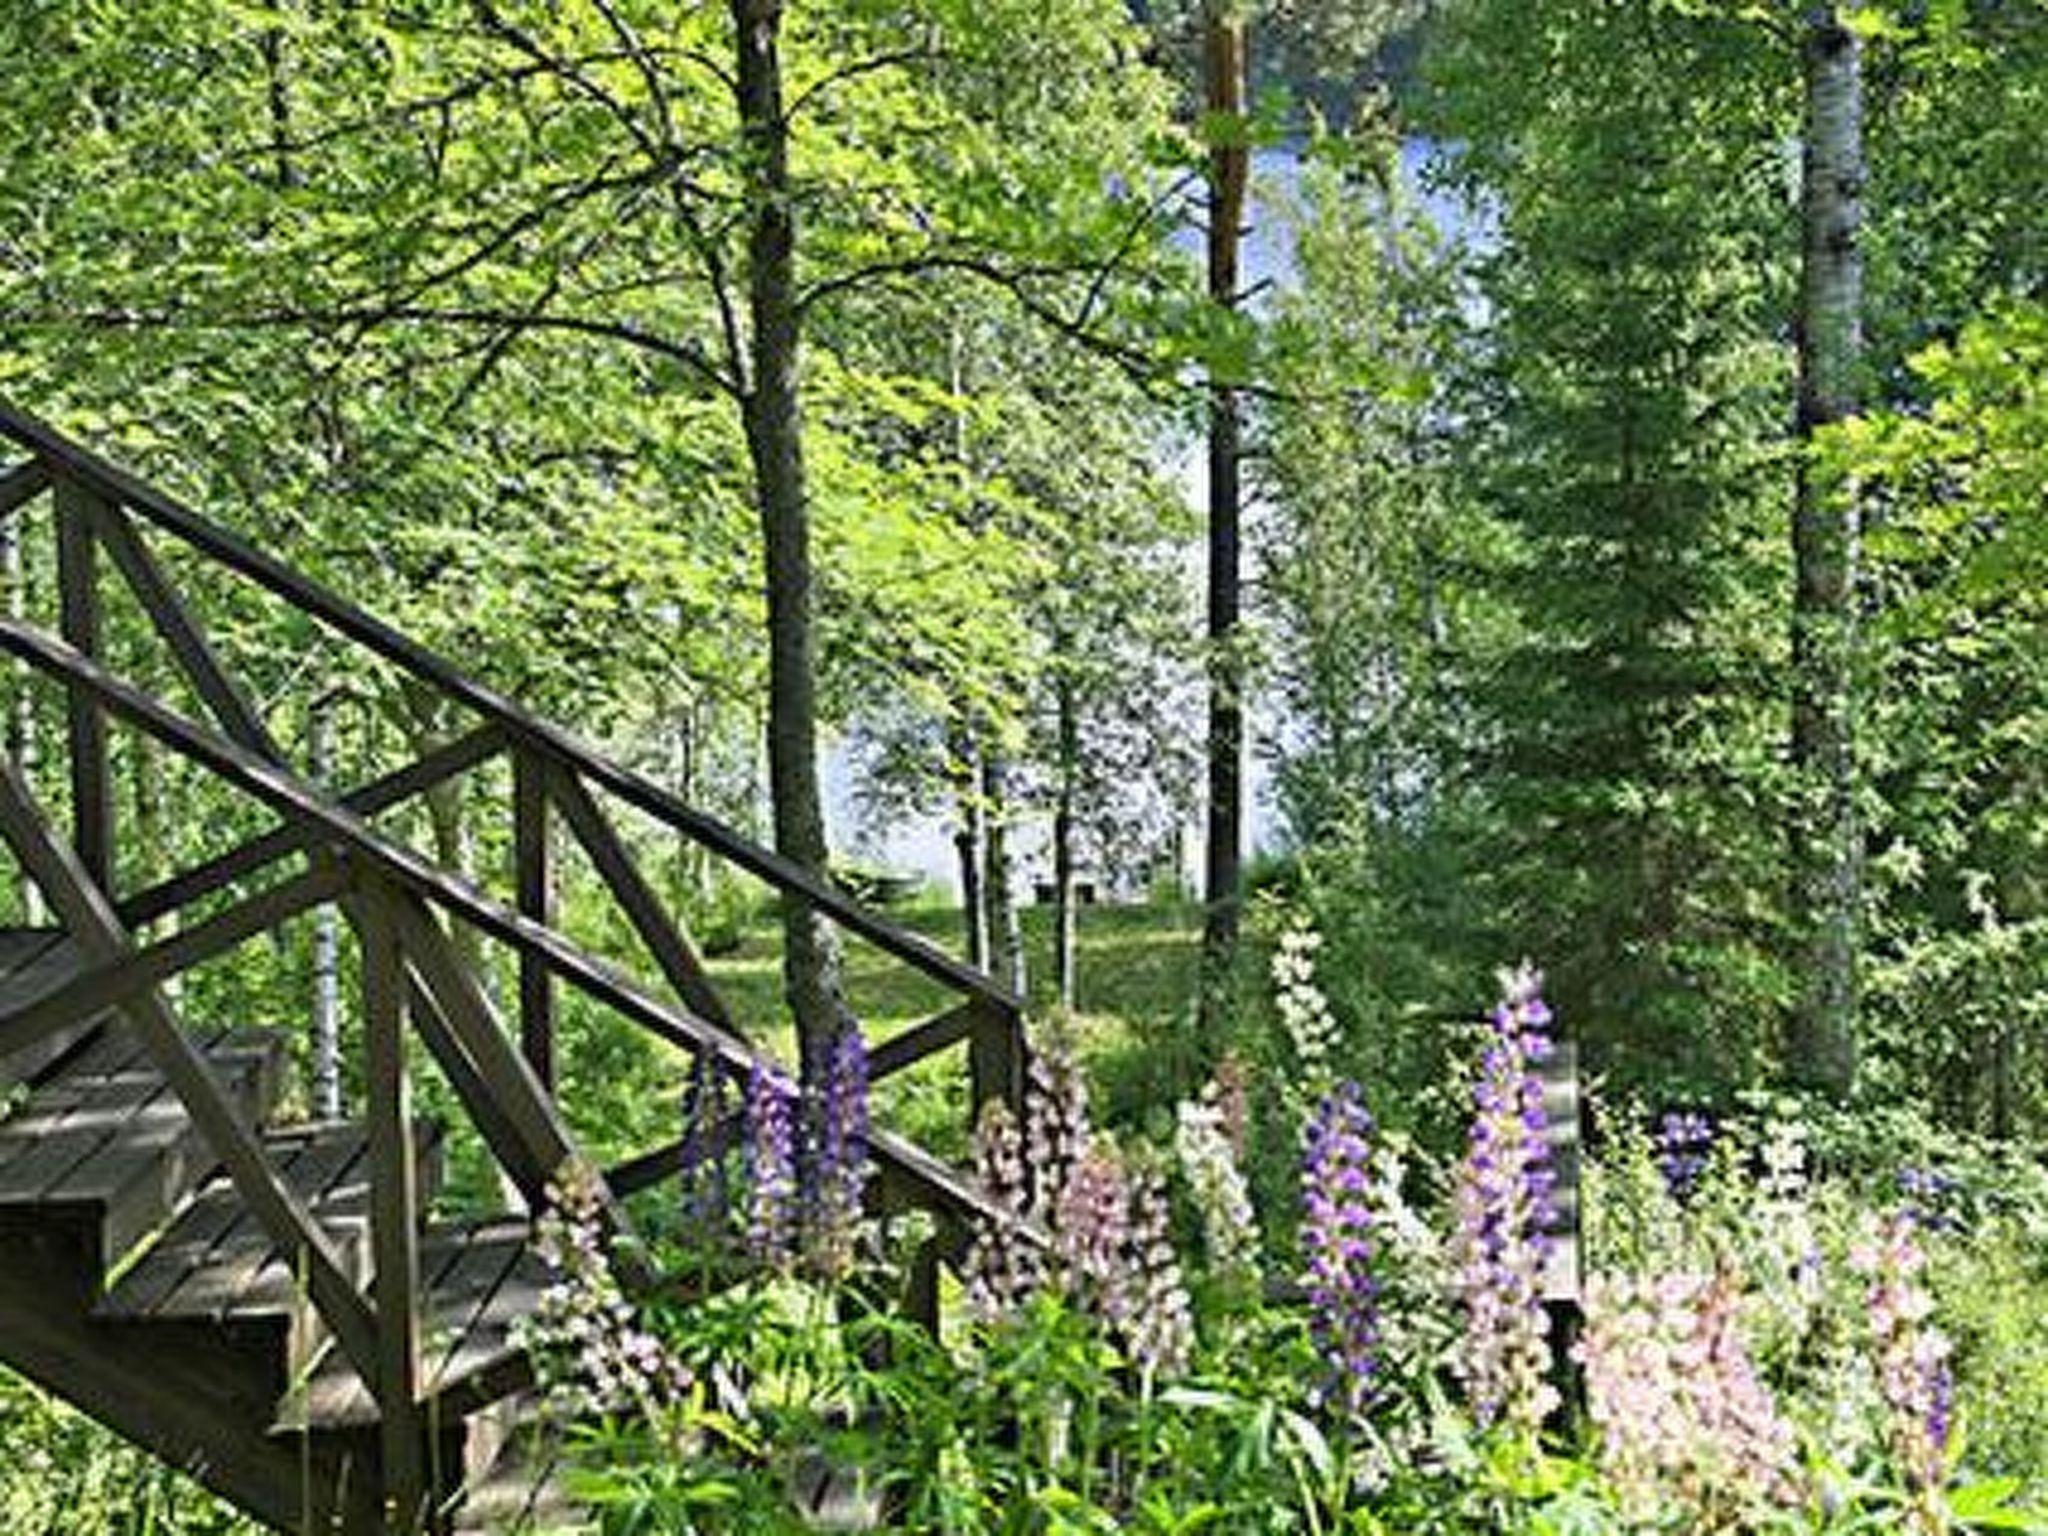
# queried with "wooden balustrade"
point(404, 909)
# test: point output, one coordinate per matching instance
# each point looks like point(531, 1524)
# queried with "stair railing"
point(405, 910)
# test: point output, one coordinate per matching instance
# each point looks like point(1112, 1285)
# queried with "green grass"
point(1136, 972)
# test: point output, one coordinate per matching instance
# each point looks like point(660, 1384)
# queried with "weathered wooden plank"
point(287, 794)
point(544, 1142)
point(89, 916)
point(533, 861)
point(92, 783)
point(995, 1058)
point(21, 484)
point(668, 1160)
point(137, 1178)
point(49, 1144)
point(84, 996)
point(921, 1040)
point(183, 634)
point(213, 1231)
point(20, 946)
point(394, 1208)
point(24, 1055)
point(616, 866)
point(466, 1264)
point(458, 756)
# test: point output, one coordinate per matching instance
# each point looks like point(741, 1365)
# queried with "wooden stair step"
point(519, 1491)
point(215, 1261)
point(33, 963)
point(479, 1279)
point(108, 1140)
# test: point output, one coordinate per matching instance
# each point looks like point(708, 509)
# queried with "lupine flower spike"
point(771, 1165)
point(1337, 1246)
point(1504, 1214)
point(840, 1168)
point(1208, 1158)
point(1912, 1358)
point(589, 1352)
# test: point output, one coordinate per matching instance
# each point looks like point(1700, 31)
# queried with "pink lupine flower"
point(1685, 1422)
point(589, 1351)
point(1912, 1359)
point(1002, 1268)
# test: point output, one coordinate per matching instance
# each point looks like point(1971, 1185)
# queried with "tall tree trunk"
point(21, 709)
point(1063, 916)
point(970, 830)
point(1005, 934)
point(326, 1040)
point(774, 427)
point(1228, 173)
point(1828, 851)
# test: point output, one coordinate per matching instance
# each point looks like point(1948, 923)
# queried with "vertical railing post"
point(394, 1212)
point(79, 509)
point(534, 877)
point(995, 1058)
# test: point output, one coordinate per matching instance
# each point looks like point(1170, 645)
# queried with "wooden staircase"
point(278, 1308)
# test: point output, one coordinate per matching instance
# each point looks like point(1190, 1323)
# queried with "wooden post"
point(394, 1213)
point(995, 1059)
point(92, 787)
point(534, 877)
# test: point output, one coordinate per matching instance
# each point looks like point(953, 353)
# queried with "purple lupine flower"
point(771, 1161)
point(1912, 1358)
point(1930, 1198)
point(839, 1167)
point(1091, 1229)
point(1504, 1215)
point(1683, 1142)
point(1337, 1246)
point(702, 1178)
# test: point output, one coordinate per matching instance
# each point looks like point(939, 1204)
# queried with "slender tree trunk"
point(1005, 935)
point(1063, 916)
point(326, 1041)
point(1828, 851)
point(774, 428)
point(21, 709)
point(1228, 172)
point(969, 841)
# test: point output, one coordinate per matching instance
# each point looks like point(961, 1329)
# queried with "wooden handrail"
point(237, 554)
point(901, 1164)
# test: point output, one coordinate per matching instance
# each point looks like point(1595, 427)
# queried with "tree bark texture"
point(773, 419)
point(1828, 853)
point(969, 843)
point(1063, 915)
point(1224, 48)
point(1005, 933)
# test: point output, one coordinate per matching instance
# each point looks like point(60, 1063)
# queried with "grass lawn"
point(1137, 969)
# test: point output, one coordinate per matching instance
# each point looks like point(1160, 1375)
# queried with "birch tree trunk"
point(1828, 851)
point(21, 711)
point(772, 414)
point(326, 1041)
point(1063, 915)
